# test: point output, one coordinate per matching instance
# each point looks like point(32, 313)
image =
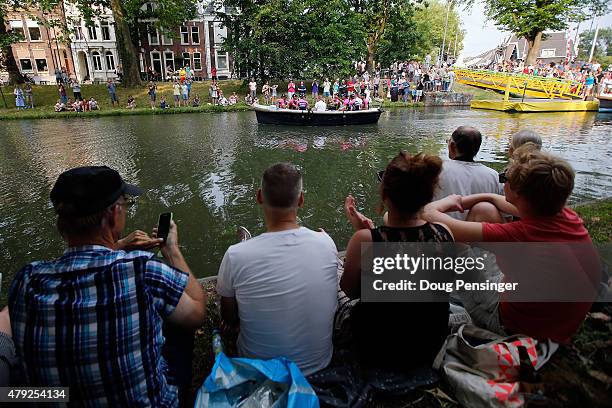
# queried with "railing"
point(528, 85)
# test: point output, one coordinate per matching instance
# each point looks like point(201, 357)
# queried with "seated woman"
point(131, 102)
point(196, 101)
point(397, 336)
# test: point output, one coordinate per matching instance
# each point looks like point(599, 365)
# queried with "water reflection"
point(206, 168)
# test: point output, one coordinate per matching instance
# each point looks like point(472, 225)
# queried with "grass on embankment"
point(45, 97)
point(577, 375)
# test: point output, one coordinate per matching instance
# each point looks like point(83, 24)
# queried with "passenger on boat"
point(320, 105)
point(377, 323)
point(282, 102)
point(280, 288)
point(537, 186)
point(293, 103)
point(461, 174)
point(302, 103)
point(95, 319)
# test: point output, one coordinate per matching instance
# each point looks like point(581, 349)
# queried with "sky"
point(481, 35)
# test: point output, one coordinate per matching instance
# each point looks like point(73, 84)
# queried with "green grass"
point(597, 217)
point(479, 93)
point(45, 97)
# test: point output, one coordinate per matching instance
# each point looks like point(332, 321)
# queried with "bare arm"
point(463, 231)
point(497, 200)
point(350, 282)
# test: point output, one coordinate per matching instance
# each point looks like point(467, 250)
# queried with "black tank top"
point(401, 336)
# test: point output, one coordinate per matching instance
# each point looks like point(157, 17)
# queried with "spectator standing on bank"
point(152, 93)
point(29, 97)
point(112, 92)
point(253, 88)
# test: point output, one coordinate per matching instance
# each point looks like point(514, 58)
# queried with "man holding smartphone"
point(96, 318)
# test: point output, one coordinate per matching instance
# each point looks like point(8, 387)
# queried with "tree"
point(603, 45)
point(7, 38)
point(282, 39)
point(530, 18)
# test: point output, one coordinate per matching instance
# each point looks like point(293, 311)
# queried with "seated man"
point(59, 106)
point(281, 287)
point(96, 318)
point(461, 174)
point(537, 186)
point(522, 137)
point(302, 103)
point(320, 105)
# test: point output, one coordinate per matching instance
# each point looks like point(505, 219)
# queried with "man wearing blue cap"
point(96, 318)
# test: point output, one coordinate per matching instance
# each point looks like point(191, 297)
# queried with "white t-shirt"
point(465, 178)
point(285, 284)
point(320, 106)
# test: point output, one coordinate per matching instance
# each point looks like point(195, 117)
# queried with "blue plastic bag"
point(244, 382)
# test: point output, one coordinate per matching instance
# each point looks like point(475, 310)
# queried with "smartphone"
point(163, 226)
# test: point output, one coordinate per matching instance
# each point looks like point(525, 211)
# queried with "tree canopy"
point(603, 45)
point(279, 38)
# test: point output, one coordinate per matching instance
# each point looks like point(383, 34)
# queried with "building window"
point(41, 65)
point(184, 35)
point(110, 61)
point(92, 32)
point(153, 36)
point(221, 61)
point(17, 28)
point(197, 61)
point(26, 65)
point(142, 64)
point(169, 61)
point(547, 53)
point(34, 30)
point(105, 28)
point(195, 35)
point(186, 59)
point(166, 40)
point(97, 61)
point(78, 32)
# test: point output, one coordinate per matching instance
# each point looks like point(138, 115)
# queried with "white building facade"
point(94, 46)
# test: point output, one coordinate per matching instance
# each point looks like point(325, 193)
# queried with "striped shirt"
point(92, 320)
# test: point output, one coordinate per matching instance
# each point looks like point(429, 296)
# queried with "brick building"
point(41, 51)
point(196, 43)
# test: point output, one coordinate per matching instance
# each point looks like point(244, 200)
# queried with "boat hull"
point(269, 116)
point(605, 103)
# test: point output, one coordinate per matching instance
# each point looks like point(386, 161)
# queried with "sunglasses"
point(502, 177)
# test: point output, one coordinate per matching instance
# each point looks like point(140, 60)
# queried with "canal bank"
point(579, 374)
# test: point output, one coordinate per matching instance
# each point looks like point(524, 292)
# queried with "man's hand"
point(5, 322)
point(170, 247)
point(357, 219)
point(138, 240)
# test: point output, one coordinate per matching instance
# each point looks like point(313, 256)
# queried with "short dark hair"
point(468, 140)
point(410, 181)
point(281, 185)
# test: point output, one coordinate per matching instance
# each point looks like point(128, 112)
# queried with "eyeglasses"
point(380, 174)
point(502, 177)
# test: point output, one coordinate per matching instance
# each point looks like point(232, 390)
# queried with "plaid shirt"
point(92, 321)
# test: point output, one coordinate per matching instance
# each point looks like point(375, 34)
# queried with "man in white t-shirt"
point(461, 174)
point(320, 106)
point(279, 288)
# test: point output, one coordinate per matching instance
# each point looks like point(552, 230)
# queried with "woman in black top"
point(397, 335)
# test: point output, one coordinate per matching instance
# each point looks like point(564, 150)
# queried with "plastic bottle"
point(217, 343)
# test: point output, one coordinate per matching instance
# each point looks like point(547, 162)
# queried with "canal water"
point(206, 168)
